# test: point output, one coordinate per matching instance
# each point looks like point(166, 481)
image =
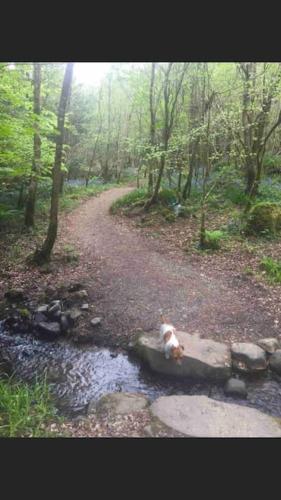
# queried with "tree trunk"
point(154, 197)
point(250, 177)
point(202, 240)
point(61, 182)
point(179, 179)
point(21, 197)
point(44, 254)
point(32, 189)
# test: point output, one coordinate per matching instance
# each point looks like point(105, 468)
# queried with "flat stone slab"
point(119, 403)
point(248, 357)
point(203, 359)
point(200, 416)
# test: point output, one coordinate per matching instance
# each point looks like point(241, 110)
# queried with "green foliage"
point(167, 197)
point(272, 163)
point(25, 410)
point(17, 123)
point(234, 192)
point(213, 239)
point(269, 190)
point(272, 268)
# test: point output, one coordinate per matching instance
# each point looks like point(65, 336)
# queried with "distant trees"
point(167, 124)
point(31, 197)
point(259, 91)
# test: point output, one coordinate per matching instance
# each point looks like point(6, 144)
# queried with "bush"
point(167, 197)
point(236, 195)
point(264, 218)
point(213, 239)
point(272, 268)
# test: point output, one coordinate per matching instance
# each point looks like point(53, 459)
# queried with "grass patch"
point(25, 410)
point(272, 269)
point(135, 198)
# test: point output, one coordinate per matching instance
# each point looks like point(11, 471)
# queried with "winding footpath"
point(131, 279)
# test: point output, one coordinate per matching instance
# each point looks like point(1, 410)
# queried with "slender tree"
point(44, 253)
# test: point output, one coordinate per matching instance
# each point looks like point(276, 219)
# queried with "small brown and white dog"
point(172, 347)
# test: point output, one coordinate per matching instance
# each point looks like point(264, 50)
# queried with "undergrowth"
point(272, 269)
point(25, 410)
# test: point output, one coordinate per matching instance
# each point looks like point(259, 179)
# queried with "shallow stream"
point(78, 375)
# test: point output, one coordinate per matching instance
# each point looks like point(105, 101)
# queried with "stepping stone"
point(275, 362)
point(200, 416)
point(203, 359)
point(50, 329)
point(235, 387)
point(247, 357)
point(119, 403)
point(269, 345)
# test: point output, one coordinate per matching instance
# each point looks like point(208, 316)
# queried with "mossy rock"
point(264, 218)
point(168, 215)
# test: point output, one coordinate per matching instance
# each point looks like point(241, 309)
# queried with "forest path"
point(131, 278)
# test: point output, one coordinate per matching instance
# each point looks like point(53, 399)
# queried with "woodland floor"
point(132, 273)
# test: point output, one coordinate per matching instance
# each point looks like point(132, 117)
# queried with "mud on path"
point(130, 279)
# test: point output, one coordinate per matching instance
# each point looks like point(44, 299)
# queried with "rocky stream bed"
point(80, 374)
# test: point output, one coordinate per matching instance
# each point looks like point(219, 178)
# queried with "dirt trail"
point(131, 279)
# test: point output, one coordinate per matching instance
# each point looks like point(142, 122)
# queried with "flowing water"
point(78, 375)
